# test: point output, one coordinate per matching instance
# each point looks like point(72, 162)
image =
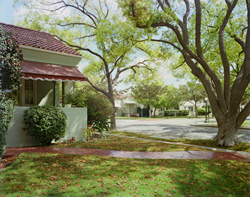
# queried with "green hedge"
point(45, 123)
point(202, 111)
point(178, 112)
point(6, 114)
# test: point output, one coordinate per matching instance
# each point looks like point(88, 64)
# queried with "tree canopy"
point(109, 43)
point(213, 40)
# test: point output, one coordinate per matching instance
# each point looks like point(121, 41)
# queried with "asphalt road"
point(174, 128)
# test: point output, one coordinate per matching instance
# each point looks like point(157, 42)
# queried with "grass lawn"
point(209, 143)
point(127, 144)
point(74, 175)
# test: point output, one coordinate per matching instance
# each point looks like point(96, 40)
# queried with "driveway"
point(174, 128)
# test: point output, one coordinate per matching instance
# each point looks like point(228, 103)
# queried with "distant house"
point(126, 106)
point(49, 67)
point(190, 106)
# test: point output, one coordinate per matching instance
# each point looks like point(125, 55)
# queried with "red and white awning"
point(50, 72)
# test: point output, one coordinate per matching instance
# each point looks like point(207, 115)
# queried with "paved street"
point(174, 128)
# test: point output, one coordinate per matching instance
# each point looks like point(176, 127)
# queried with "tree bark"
point(227, 135)
point(196, 111)
point(112, 117)
point(149, 108)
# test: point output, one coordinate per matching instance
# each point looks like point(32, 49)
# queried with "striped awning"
point(50, 72)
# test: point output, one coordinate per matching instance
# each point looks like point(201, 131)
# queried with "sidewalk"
point(131, 154)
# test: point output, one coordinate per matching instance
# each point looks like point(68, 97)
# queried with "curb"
point(178, 143)
point(215, 126)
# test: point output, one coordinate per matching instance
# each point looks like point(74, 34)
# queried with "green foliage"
point(177, 112)
point(99, 111)
point(10, 73)
point(202, 111)
point(6, 114)
point(99, 107)
point(88, 132)
point(77, 99)
point(10, 60)
point(45, 123)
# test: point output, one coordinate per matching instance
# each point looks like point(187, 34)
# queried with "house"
point(190, 106)
point(126, 106)
point(49, 67)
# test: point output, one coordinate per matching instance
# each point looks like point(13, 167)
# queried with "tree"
point(205, 34)
point(193, 92)
point(173, 97)
point(146, 88)
point(10, 73)
point(107, 42)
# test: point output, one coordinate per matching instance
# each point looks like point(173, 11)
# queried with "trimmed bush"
point(202, 111)
point(178, 112)
point(6, 114)
point(45, 123)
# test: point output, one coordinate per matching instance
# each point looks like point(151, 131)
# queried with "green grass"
point(245, 124)
point(74, 175)
point(127, 144)
point(209, 143)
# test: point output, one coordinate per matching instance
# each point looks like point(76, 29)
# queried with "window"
point(27, 93)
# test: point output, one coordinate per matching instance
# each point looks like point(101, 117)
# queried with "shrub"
point(45, 123)
point(99, 111)
point(10, 62)
point(178, 112)
point(99, 107)
point(202, 111)
point(6, 114)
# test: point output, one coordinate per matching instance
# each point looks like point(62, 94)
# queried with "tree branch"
point(73, 24)
point(243, 115)
point(223, 53)
point(83, 49)
point(98, 89)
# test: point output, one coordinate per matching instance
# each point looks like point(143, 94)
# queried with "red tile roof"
point(37, 39)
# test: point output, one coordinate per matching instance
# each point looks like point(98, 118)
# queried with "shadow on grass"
point(74, 175)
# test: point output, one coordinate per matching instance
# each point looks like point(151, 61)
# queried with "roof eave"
point(49, 51)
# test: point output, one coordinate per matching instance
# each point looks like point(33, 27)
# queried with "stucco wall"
point(76, 121)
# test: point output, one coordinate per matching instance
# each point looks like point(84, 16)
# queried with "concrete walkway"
point(131, 154)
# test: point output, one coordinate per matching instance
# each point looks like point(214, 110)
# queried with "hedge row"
point(178, 112)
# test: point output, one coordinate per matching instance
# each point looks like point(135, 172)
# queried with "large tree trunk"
point(112, 117)
point(196, 111)
point(149, 108)
point(227, 134)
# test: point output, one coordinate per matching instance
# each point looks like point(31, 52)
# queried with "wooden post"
point(54, 88)
point(63, 92)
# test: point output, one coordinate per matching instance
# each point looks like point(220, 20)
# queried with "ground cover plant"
point(201, 142)
point(128, 144)
point(74, 175)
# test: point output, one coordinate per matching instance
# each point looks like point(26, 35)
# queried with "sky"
point(11, 15)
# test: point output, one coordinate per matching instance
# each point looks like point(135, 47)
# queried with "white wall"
point(76, 121)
